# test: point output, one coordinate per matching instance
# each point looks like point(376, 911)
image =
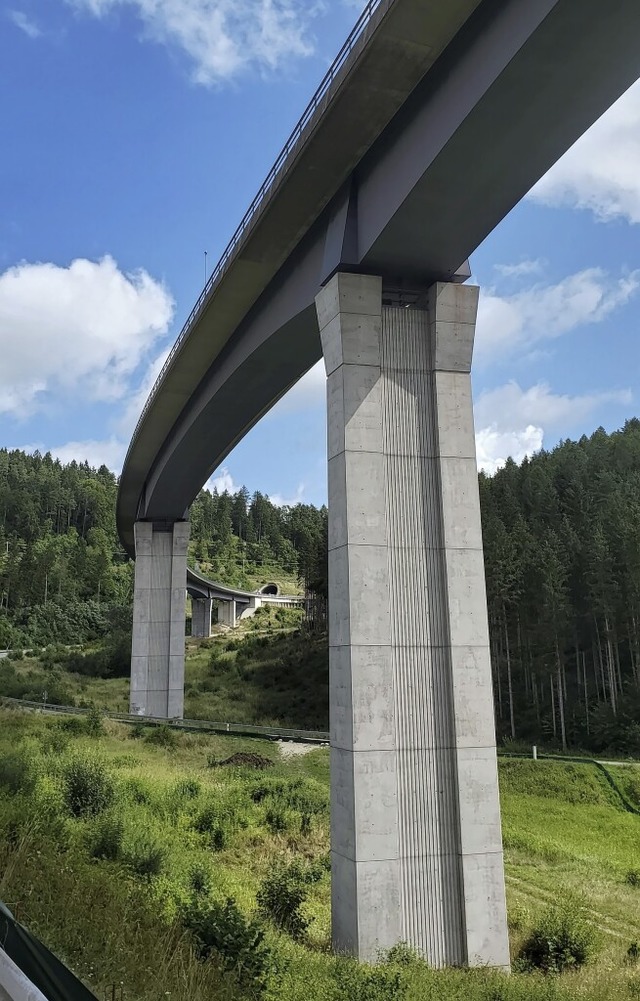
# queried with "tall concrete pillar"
point(415, 819)
point(201, 617)
point(157, 650)
point(227, 612)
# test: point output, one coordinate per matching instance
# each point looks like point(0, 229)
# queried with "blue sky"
point(134, 135)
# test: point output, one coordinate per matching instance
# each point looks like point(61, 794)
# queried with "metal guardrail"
point(287, 151)
point(213, 726)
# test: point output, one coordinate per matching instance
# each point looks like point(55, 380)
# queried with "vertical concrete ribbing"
point(157, 650)
point(414, 846)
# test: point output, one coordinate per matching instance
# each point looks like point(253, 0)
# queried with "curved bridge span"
point(233, 603)
point(436, 118)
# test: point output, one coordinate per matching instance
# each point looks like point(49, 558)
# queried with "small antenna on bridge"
point(205, 267)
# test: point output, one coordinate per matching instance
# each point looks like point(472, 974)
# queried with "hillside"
point(146, 832)
point(562, 555)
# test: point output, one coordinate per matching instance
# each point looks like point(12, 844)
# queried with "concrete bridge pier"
point(157, 649)
point(415, 819)
point(201, 617)
point(227, 612)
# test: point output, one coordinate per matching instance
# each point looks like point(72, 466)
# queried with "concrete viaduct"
point(435, 119)
point(233, 603)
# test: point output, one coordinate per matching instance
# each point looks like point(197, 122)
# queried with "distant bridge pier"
point(201, 617)
point(227, 612)
point(415, 819)
point(157, 650)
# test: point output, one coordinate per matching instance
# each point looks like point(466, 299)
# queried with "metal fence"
point(286, 154)
point(204, 726)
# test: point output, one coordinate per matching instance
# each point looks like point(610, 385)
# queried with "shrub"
point(17, 773)
point(188, 789)
point(277, 820)
point(145, 856)
point(162, 736)
point(633, 952)
point(632, 878)
point(199, 879)
point(281, 896)
point(238, 942)
point(359, 982)
point(94, 722)
point(87, 786)
point(560, 940)
point(106, 840)
point(218, 839)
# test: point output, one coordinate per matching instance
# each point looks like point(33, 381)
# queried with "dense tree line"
point(562, 556)
point(240, 538)
point(64, 574)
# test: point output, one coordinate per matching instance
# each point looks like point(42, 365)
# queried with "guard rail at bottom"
point(206, 726)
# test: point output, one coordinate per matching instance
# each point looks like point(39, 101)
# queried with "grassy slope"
point(264, 672)
point(564, 832)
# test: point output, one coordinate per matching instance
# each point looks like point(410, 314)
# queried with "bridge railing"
point(211, 726)
point(288, 150)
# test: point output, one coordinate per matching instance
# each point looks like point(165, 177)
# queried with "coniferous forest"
point(562, 554)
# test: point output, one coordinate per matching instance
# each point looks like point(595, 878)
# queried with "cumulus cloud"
point(507, 324)
point(280, 501)
point(109, 453)
point(24, 23)
point(522, 269)
point(513, 421)
point(222, 480)
point(81, 329)
point(222, 37)
point(310, 391)
point(601, 172)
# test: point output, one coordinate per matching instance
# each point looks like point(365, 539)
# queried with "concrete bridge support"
point(415, 821)
point(157, 649)
point(227, 612)
point(201, 617)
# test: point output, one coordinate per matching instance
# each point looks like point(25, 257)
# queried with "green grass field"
point(111, 888)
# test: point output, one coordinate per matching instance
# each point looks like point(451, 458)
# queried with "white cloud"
point(494, 447)
point(522, 269)
point(310, 391)
point(109, 453)
point(25, 23)
point(223, 37)
point(281, 501)
point(82, 329)
point(222, 480)
point(601, 172)
point(507, 324)
point(513, 421)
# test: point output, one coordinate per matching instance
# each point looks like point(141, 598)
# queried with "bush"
point(94, 722)
point(87, 786)
point(17, 773)
point(281, 896)
point(161, 736)
point(199, 879)
point(145, 857)
point(560, 940)
point(359, 982)
point(106, 839)
point(238, 942)
point(188, 789)
point(632, 878)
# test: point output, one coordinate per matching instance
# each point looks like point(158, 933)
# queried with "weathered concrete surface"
point(415, 822)
point(201, 617)
point(157, 647)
